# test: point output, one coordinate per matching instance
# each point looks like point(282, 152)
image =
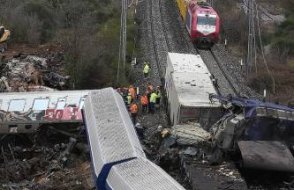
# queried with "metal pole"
point(125, 8)
point(123, 37)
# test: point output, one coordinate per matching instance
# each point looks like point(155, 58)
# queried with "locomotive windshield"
point(206, 20)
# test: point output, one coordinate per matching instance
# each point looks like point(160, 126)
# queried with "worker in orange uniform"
point(134, 111)
point(132, 91)
point(144, 103)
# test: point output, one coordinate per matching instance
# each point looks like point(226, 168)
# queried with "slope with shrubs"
point(279, 43)
point(88, 31)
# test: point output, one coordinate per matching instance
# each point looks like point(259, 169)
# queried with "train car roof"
point(141, 173)
point(193, 89)
point(110, 130)
point(187, 63)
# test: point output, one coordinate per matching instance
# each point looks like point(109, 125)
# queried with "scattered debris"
point(41, 156)
point(191, 151)
point(190, 134)
point(27, 73)
point(53, 161)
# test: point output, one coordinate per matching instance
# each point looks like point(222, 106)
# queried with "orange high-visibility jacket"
point(144, 100)
point(132, 92)
point(134, 108)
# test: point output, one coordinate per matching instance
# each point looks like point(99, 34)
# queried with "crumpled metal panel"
point(139, 174)
point(267, 155)
point(190, 134)
point(275, 113)
point(112, 136)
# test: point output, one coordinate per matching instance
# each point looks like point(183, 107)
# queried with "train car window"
point(40, 104)
point(16, 105)
point(205, 20)
point(61, 104)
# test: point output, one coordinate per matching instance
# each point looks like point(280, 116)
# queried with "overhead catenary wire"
point(254, 42)
point(262, 51)
point(245, 4)
point(250, 37)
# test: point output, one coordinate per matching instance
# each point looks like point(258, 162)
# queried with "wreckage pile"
point(54, 157)
point(30, 73)
point(54, 161)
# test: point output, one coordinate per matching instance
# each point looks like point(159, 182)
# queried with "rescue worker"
point(129, 100)
point(152, 100)
point(146, 69)
point(150, 87)
point(149, 91)
point(144, 103)
point(134, 111)
point(132, 91)
point(158, 92)
point(125, 95)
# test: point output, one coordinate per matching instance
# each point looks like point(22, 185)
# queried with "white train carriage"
point(188, 85)
point(119, 162)
point(25, 112)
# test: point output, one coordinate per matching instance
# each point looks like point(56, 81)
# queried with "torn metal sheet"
point(267, 155)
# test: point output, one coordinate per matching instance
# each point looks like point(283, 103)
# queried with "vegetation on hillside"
point(280, 59)
point(283, 38)
point(88, 30)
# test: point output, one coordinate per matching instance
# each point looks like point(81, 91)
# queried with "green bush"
point(88, 30)
point(45, 15)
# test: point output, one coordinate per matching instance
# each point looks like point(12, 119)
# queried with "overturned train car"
point(188, 85)
point(119, 162)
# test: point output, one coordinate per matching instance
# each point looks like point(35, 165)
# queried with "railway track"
point(160, 41)
point(177, 40)
point(224, 83)
point(225, 73)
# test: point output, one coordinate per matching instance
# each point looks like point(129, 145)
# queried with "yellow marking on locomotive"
point(182, 5)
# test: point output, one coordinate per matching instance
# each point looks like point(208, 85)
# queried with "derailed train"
point(249, 129)
point(118, 159)
point(201, 20)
